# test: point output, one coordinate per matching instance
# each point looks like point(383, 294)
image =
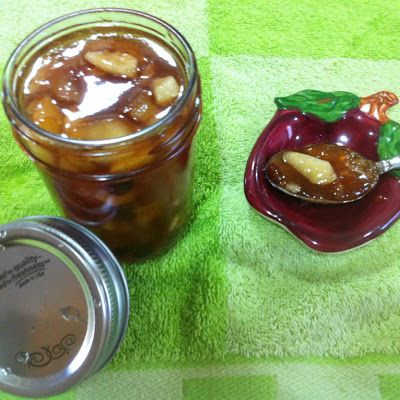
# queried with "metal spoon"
point(360, 177)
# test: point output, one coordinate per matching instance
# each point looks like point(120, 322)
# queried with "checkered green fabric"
point(239, 309)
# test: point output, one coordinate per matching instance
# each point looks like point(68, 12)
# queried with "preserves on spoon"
point(323, 172)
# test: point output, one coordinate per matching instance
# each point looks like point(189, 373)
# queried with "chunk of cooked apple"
point(317, 171)
point(165, 90)
point(113, 62)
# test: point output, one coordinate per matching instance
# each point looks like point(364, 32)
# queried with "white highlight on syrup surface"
point(99, 96)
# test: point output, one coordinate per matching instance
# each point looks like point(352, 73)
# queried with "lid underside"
point(47, 318)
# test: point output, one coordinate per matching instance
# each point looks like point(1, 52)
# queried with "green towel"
point(240, 309)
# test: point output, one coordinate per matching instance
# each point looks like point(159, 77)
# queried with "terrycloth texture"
point(239, 308)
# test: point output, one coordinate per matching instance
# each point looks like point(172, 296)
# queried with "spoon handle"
point(387, 165)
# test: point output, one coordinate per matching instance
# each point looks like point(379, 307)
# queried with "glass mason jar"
point(133, 191)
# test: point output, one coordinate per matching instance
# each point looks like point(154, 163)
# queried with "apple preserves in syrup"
point(101, 84)
point(326, 172)
point(107, 83)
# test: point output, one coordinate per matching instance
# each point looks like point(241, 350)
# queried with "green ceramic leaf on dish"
point(329, 106)
point(389, 143)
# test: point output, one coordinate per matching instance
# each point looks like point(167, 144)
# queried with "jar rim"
point(169, 117)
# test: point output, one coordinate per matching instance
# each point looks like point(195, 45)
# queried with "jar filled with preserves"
point(106, 102)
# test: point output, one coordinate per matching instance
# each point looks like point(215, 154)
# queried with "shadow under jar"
point(114, 146)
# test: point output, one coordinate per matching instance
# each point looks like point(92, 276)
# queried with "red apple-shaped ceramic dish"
point(342, 118)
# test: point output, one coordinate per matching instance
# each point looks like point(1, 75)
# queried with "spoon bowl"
point(325, 173)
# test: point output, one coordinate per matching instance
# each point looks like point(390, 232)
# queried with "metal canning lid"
point(64, 305)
